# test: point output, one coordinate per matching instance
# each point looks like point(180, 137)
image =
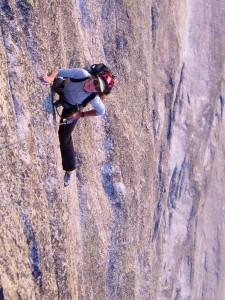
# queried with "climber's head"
point(102, 83)
point(106, 82)
point(92, 85)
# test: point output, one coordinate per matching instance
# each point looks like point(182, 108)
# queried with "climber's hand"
point(46, 79)
point(72, 118)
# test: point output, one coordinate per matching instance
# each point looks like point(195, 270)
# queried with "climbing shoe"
point(67, 178)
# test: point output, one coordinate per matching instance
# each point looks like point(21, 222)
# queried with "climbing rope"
point(29, 137)
point(24, 139)
point(12, 144)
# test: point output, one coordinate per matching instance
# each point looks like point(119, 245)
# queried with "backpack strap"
point(78, 79)
point(88, 99)
point(83, 104)
point(85, 101)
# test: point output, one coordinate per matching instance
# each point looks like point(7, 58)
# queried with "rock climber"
point(77, 88)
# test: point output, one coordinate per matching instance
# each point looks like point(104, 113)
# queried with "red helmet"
point(108, 80)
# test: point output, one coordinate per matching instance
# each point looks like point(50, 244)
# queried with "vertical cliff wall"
point(144, 215)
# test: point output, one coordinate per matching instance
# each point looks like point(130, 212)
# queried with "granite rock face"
point(144, 216)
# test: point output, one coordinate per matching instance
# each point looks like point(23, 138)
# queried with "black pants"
point(66, 143)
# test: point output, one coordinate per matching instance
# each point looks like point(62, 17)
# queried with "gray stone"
point(143, 217)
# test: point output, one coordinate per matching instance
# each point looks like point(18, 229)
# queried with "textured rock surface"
point(144, 215)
